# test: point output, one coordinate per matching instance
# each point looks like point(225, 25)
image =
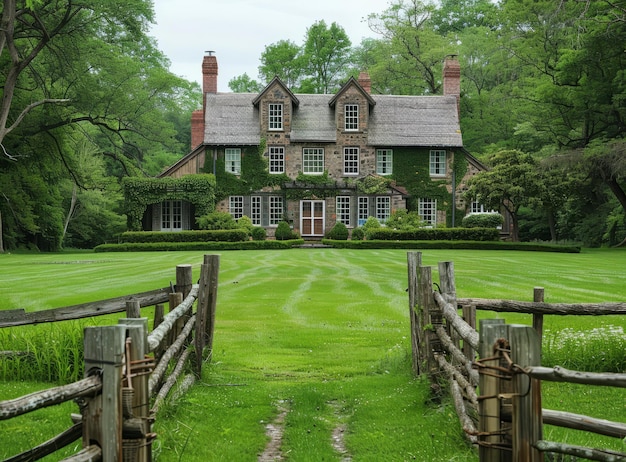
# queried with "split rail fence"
point(126, 368)
point(495, 375)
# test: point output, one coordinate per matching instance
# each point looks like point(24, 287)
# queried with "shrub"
point(358, 234)
point(483, 220)
point(226, 235)
point(217, 220)
point(258, 233)
point(435, 234)
point(338, 232)
point(404, 220)
point(283, 231)
point(245, 223)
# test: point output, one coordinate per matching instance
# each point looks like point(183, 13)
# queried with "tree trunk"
point(70, 212)
point(1, 242)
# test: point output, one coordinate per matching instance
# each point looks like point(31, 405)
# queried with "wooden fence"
point(503, 386)
point(125, 367)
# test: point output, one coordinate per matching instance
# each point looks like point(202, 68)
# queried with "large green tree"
point(510, 183)
point(79, 69)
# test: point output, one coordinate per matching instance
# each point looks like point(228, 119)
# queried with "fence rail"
point(125, 367)
point(510, 418)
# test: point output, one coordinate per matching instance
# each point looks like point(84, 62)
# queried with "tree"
point(244, 84)
point(415, 51)
point(285, 60)
point(510, 183)
point(326, 50)
point(73, 70)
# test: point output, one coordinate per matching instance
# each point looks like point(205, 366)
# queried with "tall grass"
point(323, 333)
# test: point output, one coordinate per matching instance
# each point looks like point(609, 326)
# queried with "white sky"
point(239, 30)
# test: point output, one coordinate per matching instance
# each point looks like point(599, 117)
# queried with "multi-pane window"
point(364, 210)
point(255, 210)
point(171, 216)
point(235, 206)
point(437, 163)
point(427, 210)
point(313, 161)
point(383, 208)
point(277, 159)
point(232, 157)
point(384, 161)
point(351, 117)
point(343, 210)
point(477, 207)
point(275, 113)
point(276, 210)
point(351, 161)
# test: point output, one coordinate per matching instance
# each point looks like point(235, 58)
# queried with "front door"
point(312, 218)
point(171, 216)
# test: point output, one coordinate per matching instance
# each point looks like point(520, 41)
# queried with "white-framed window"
point(313, 161)
point(383, 208)
point(275, 116)
point(276, 210)
point(351, 161)
point(427, 210)
point(232, 157)
point(351, 112)
point(172, 216)
point(343, 210)
point(364, 210)
point(437, 162)
point(277, 159)
point(384, 161)
point(255, 210)
point(477, 207)
point(235, 206)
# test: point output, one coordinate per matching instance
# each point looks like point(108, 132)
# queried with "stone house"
point(314, 160)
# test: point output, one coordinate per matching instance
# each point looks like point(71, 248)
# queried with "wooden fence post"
point(184, 279)
point(426, 304)
point(137, 331)
point(102, 417)
point(414, 261)
point(526, 419)
point(489, 419)
point(133, 309)
point(205, 318)
point(447, 286)
point(538, 297)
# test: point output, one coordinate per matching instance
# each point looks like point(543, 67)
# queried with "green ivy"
point(254, 174)
point(412, 170)
point(139, 193)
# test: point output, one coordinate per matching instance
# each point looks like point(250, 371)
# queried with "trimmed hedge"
point(452, 245)
point(483, 220)
point(435, 234)
point(221, 235)
point(200, 246)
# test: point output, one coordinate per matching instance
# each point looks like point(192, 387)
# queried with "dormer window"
point(275, 116)
point(351, 117)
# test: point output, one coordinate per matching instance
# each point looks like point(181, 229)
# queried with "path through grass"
point(319, 336)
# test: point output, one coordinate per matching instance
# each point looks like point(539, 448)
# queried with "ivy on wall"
point(139, 193)
point(412, 170)
point(254, 174)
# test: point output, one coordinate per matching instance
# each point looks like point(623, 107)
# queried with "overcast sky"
point(239, 30)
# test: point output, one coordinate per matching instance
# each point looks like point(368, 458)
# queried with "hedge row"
point(434, 234)
point(453, 245)
point(221, 235)
point(200, 246)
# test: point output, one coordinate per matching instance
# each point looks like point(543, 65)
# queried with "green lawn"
point(321, 334)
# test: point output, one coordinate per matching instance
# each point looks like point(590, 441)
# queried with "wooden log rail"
point(116, 361)
point(436, 327)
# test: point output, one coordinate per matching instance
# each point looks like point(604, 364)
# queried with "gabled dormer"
point(352, 105)
point(275, 105)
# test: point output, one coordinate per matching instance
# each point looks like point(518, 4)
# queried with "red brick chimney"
point(209, 73)
point(197, 128)
point(452, 78)
point(365, 82)
point(209, 85)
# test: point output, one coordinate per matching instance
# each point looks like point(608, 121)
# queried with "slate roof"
point(231, 119)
